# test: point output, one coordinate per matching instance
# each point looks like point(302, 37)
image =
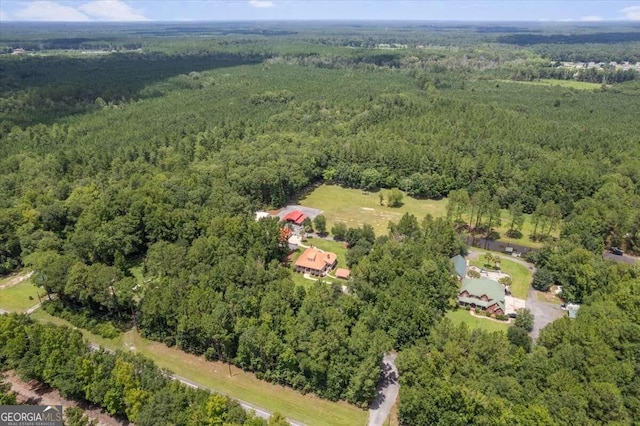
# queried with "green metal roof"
point(479, 286)
point(460, 265)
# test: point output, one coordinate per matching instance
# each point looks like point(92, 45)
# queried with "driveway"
point(388, 388)
point(543, 312)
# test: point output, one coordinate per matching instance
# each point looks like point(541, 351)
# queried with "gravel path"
point(16, 280)
point(388, 389)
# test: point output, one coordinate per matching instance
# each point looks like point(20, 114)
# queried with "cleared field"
point(242, 385)
point(20, 297)
point(580, 85)
point(461, 315)
point(356, 207)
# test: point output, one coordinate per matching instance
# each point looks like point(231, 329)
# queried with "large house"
point(316, 262)
point(483, 293)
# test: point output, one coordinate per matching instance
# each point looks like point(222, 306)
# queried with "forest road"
point(388, 389)
point(260, 412)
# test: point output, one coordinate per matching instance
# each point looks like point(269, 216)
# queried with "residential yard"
point(356, 207)
point(461, 315)
point(333, 246)
point(20, 297)
point(521, 276)
point(242, 385)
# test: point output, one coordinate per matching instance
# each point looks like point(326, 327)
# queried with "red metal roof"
point(295, 216)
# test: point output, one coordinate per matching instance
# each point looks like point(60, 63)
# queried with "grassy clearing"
point(580, 85)
point(461, 315)
point(333, 246)
point(20, 297)
point(242, 385)
point(356, 207)
point(521, 276)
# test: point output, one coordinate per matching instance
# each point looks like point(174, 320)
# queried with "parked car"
point(617, 250)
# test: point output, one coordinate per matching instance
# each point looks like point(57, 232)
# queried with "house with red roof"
point(316, 262)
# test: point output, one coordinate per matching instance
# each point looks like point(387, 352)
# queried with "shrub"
point(502, 317)
point(487, 314)
point(104, 329)
point(542, 279)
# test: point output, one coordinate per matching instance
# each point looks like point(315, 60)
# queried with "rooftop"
point(460, 265)
point(483, 286)
point(295, 216)
point(315, 259)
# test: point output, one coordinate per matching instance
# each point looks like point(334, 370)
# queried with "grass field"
point(19, 297)
point(580, 85)
point(521, 276)
point(461, 315)
point(356, 207)
point(242, 385)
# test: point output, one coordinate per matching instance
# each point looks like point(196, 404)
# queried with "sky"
point(242, 10)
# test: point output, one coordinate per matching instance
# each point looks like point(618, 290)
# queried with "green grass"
point(580, 85)
point(521, 276)
point(356, 207)
point(242, 385)
point(20, 297)
point(333, 246)
point(460, 315)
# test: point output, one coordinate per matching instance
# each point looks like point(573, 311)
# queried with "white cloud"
point(632, 13)
point(3, 16)
point(112, 10)
point(49, 11)
point(591, 18)
point(261, 3)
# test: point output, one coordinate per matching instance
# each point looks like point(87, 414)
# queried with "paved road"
point(388, 389)
point(620, 259)
point(260, 412)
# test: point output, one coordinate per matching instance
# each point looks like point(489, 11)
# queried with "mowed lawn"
point(521, 276)
point(308, 409)
point(356, 207)
point(20, 297)
point(461, 315)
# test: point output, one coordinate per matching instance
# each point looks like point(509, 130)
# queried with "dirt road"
point(16, 280)
point(37, 393)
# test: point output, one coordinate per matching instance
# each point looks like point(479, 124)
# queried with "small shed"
point(572, 309)
point(343, 273)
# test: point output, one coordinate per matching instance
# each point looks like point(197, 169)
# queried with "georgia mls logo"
point(31, 415)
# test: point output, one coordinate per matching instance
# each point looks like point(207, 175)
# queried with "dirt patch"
point(16, 280)
point(35, 392)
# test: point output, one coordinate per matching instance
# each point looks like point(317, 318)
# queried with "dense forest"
point(157, 159)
